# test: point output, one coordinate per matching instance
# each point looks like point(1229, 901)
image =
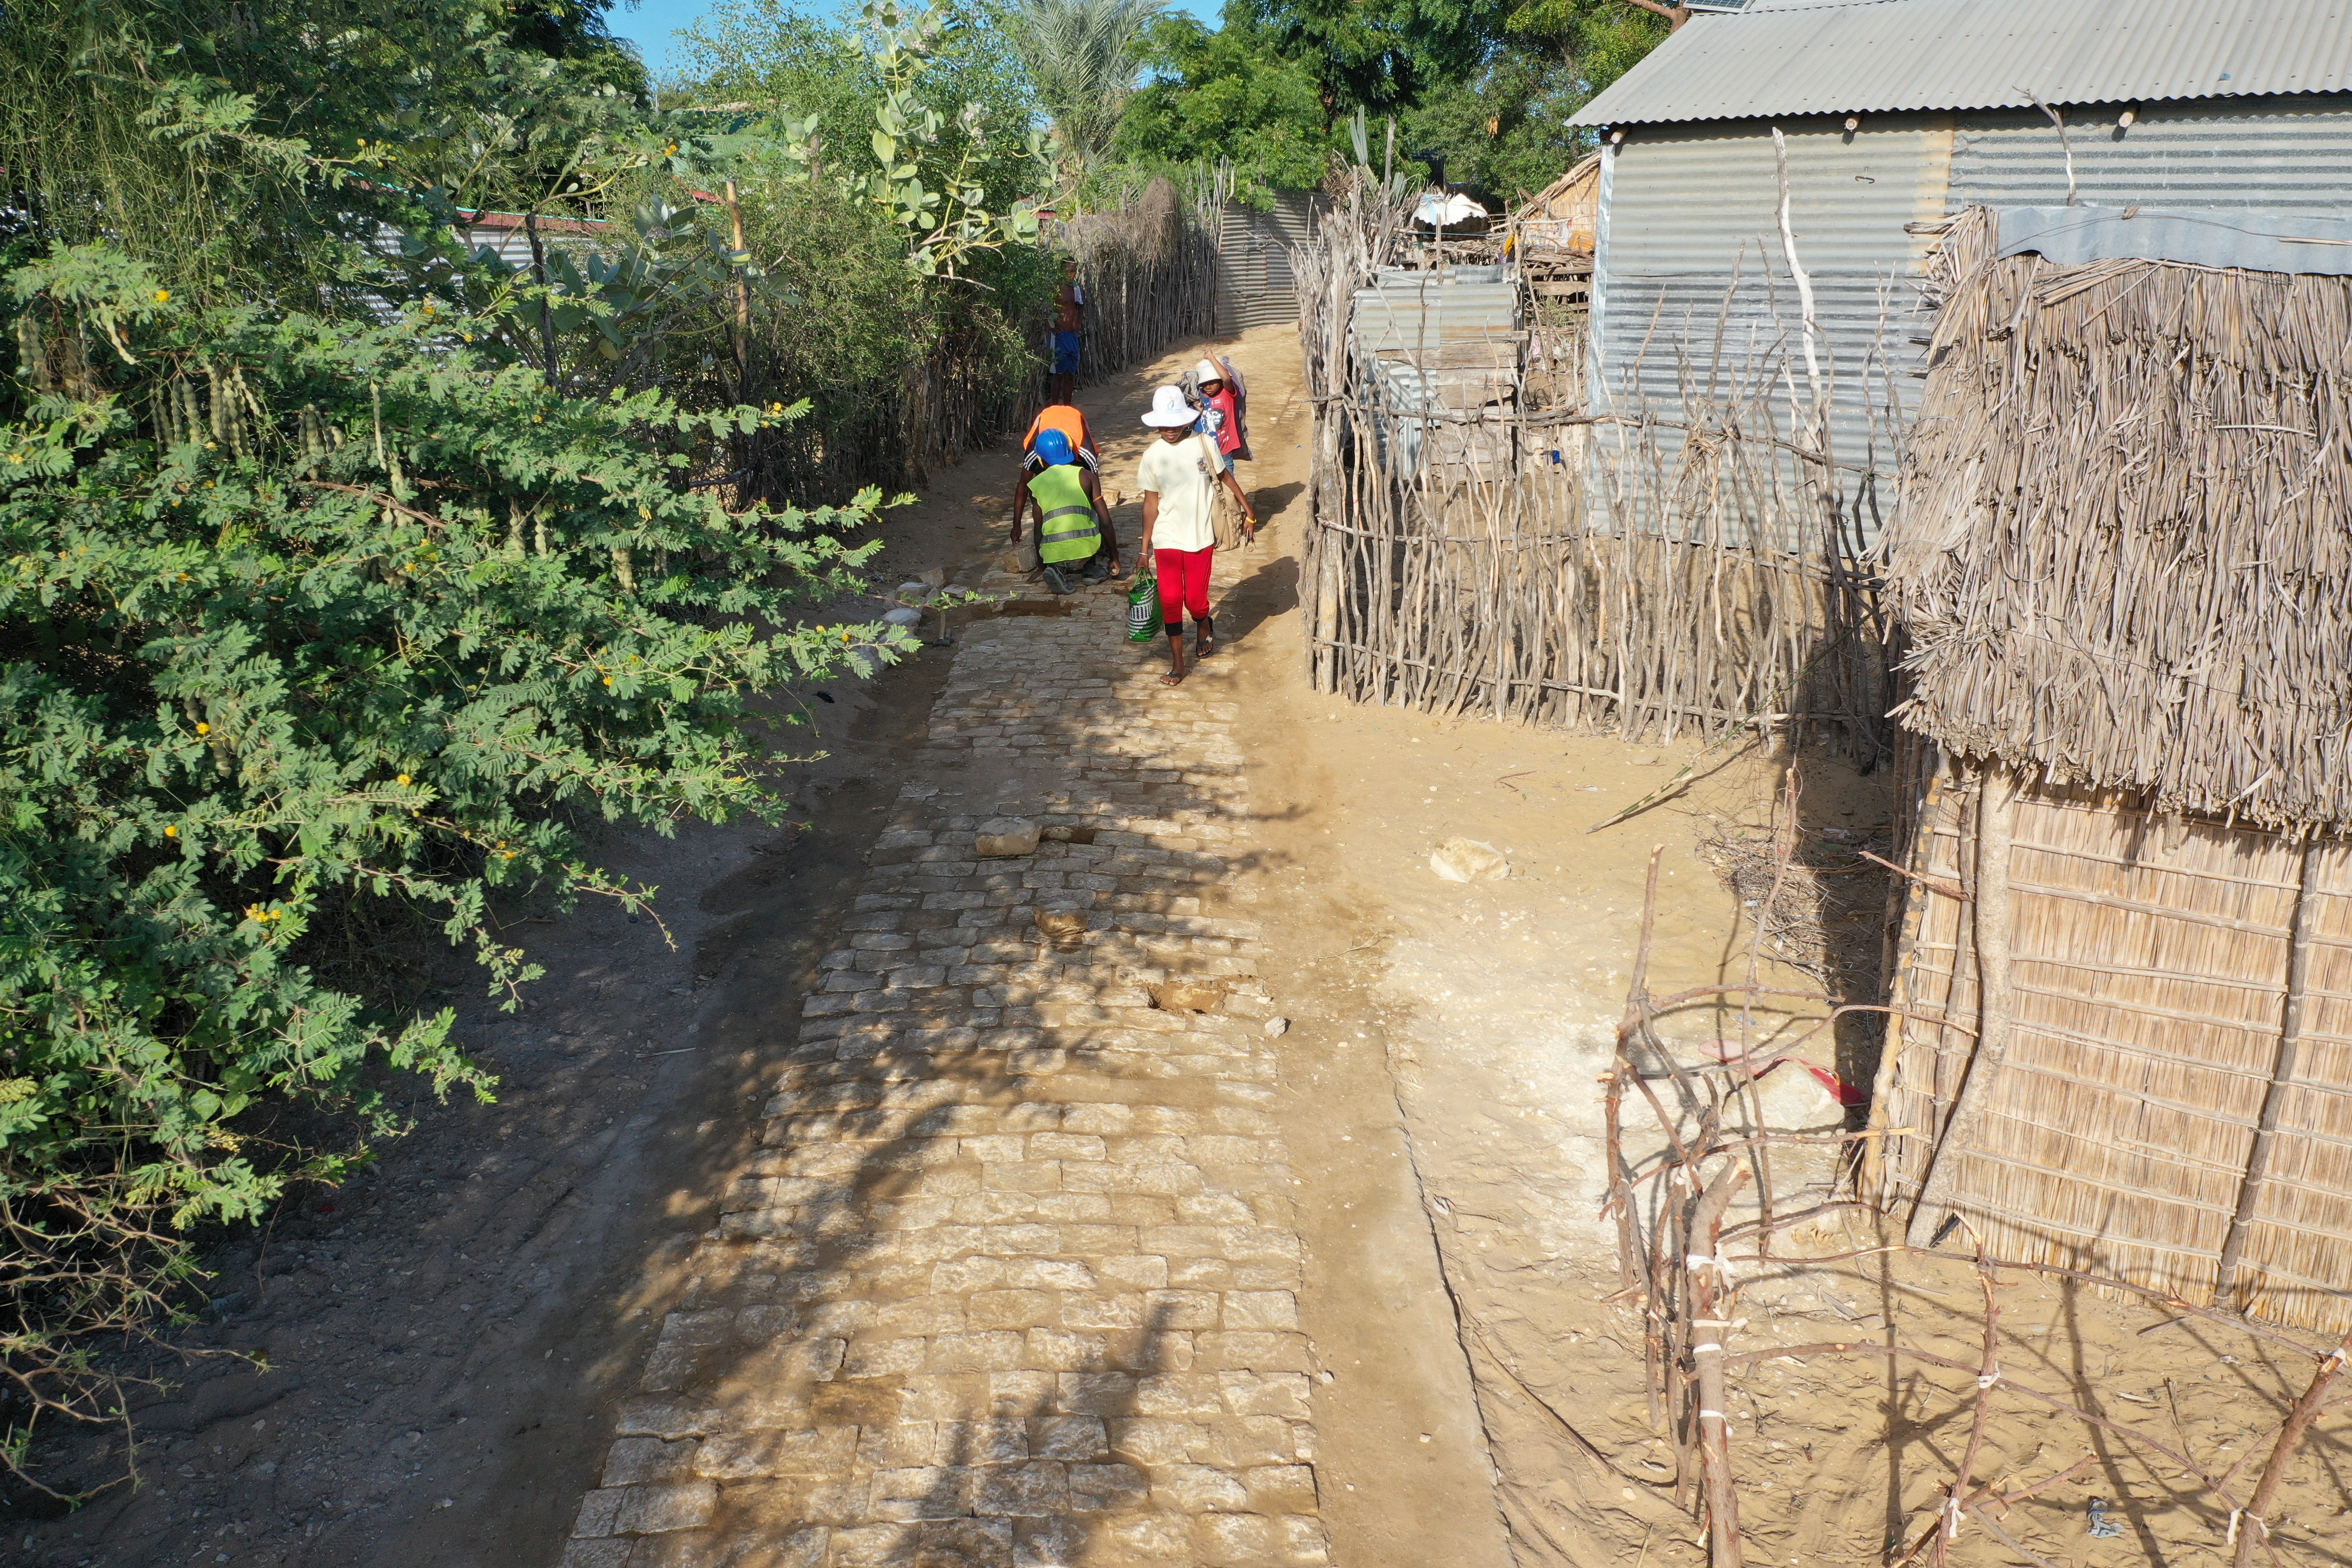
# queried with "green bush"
point(299, 615)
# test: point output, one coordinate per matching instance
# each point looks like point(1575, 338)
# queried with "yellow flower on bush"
point(202, 727)
point(403, 779)
point(170, 830)
point(163, 296)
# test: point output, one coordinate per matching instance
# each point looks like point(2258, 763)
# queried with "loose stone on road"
point(1015, 1278)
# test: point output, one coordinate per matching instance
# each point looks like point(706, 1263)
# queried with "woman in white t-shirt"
point(1178, 476)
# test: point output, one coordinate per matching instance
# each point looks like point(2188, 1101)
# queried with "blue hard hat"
point(1055, 447)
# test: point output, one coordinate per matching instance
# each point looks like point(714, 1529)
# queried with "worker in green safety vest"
point(1074, 531)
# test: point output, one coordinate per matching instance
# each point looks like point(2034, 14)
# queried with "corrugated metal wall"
point(1694, 208)
point(2275, 155)
point(1254, 283)
point(1683, 203)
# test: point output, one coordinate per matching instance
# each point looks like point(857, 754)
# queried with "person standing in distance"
point(1074, 531)
point(1222, 407)
point(1069, 323)
point(1178, 476)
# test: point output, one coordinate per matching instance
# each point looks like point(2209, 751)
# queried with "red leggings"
point(1184, 586)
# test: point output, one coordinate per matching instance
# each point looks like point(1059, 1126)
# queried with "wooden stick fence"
point(1149, 275)
point(1679, 1276)
point(1645, 570)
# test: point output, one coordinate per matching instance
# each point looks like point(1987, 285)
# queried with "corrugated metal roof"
point(1880, 54)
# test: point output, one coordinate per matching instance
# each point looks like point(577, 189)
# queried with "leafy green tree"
point(1381, 55)
point(341, 582)
point(1597, 40)
point(1231, 93)
point(1503, 133)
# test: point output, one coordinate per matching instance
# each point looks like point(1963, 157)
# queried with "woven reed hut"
point(1562, 219)
point(2122, 1036)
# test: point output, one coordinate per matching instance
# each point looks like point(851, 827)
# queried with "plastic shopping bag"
point(1143, 605)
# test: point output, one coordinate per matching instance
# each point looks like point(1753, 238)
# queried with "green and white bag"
point(1143, 605)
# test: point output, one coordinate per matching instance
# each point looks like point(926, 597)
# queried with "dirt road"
point(865, 1224)
point(448, 1345)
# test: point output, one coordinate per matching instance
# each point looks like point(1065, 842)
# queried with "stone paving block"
point(1137, 1270)
point(928, 1491)
point(1039, 1489)
point(1048, 1273)
point(1068, 1438)
point(1098, 1488)
point(1048, 1543)
point(1012, 1277)
point(1196, 1489)
point(1261, 1309)
point(650, 1510)
point(607, 1552)
point(740, 1455)
point(1232, 1538)
point(632, 1460)
point(1242, 1442)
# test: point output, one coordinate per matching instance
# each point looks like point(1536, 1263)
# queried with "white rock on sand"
point(1467, 860)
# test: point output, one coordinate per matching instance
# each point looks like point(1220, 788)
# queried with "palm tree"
point(1080, 54)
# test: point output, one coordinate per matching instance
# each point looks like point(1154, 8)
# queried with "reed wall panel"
point(1650, 575)
point(2149, 962)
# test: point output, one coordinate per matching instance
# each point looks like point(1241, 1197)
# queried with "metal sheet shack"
point(1894, 114)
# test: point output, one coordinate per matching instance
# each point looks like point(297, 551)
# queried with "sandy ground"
point(446, 1336)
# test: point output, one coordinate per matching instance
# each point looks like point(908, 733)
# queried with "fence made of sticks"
point(1688, 1248)
point(1655, 571)
point(1149, 274)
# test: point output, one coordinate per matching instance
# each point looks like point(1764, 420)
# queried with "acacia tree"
point(329, 593)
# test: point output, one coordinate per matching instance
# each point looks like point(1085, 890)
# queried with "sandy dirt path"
point(454, 1341)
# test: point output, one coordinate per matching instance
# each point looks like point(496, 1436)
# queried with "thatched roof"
point(2123, 555)
point(1576, 193)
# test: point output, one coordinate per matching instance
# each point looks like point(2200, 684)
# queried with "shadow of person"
point(1271, 590)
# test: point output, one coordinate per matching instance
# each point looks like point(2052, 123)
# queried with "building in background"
point(1894, 114)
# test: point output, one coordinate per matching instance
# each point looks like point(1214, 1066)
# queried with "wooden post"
point(2283, 1069)
point(1996, 1003)
point(1710, 1297)
point(2252, 1528)
point(743, 300)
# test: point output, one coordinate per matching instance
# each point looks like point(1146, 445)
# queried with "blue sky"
point(652, 24)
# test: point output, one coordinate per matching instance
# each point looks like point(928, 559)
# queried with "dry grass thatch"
point(1576, 191)
point(2125, 535)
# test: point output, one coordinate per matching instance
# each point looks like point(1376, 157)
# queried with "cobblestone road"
point(1015, 1278)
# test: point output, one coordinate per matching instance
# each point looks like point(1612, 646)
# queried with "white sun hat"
point(1208, 370)
point(1170, 410)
